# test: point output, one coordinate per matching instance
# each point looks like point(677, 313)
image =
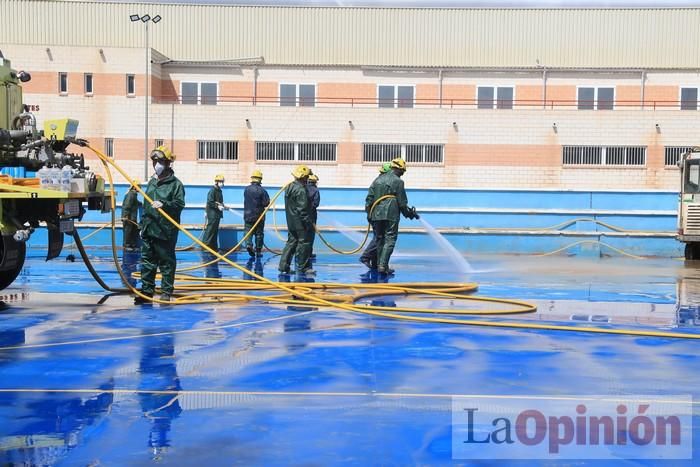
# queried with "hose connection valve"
point(22, 235)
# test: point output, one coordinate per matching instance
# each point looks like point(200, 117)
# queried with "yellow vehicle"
point(60, 192)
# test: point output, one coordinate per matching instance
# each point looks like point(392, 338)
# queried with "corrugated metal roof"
point(441, 37)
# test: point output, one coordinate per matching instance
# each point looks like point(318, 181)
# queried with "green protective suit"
point(214, 215)
point(386, 214)
point(158, 234)
point(130, 218)
point(299, 227)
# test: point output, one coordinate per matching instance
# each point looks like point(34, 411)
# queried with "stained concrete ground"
point(258, 384)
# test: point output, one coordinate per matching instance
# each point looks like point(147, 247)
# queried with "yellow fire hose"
point(326, 294)
point(233, 248)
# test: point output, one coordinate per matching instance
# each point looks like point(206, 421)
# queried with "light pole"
point(145, 19)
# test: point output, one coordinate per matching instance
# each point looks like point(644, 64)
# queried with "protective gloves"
point(157, 204)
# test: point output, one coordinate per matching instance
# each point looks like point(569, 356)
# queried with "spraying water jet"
point(455, 257)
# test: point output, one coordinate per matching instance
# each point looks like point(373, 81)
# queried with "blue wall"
point(465, 212)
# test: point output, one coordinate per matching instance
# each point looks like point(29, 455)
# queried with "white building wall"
point(485, 149)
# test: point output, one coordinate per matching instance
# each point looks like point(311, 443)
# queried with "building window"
point(109, 147)
point(411, 153)
point(217, 150)
point(209, 93)
point(274, 151)
point(306, 94)
point(689, 98)
point(377, 152)
point(316, 152)
point(289, 151)
point(596, 98)
point(489, 97)
point(395, 96)
point(130, 85)
point(604, 155)
point(63, 83)
point(424, 153)
point(159, 143)
point(190, 93)
point(204, 93)
point(88, 84)
point(672, 154)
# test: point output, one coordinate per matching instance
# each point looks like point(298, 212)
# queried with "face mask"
point(159, 168)
point(220, 184)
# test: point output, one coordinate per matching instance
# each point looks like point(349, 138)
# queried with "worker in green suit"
point(158, 234)
point(386, 214)
point(299, 224)
point(215, 211)
point(130, 219)
point(314, 201)
point(369, 256)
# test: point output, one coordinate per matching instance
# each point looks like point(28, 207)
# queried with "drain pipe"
point(440, 85)
point(643, 78)
point(172, 126)
point(544, 87)
point(255, 85)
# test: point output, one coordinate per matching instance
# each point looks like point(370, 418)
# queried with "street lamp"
point(145, 19)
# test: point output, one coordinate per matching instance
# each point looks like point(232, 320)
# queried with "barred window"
point(217, 150)
point(109, 147)
point(317, 152)
point(672, 154)
point(159, 142)
point(274, 151)
point(412, 153)
point(289, 151)
point(372, 152)
point(604, 155)
point(424, 153)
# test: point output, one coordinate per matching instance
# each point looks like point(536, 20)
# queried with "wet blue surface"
point(264, 385)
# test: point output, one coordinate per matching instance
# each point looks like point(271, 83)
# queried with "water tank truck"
point(60, 190)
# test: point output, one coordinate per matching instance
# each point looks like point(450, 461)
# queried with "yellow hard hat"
point(398, 163)
point(313, 178)
point(162, 152)
point(219, 178)
point(301, 171)
point(256, 175)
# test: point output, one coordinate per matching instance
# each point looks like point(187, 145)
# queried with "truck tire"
point(12, 255)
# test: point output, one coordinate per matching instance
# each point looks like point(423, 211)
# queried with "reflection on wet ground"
point(264, 385)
